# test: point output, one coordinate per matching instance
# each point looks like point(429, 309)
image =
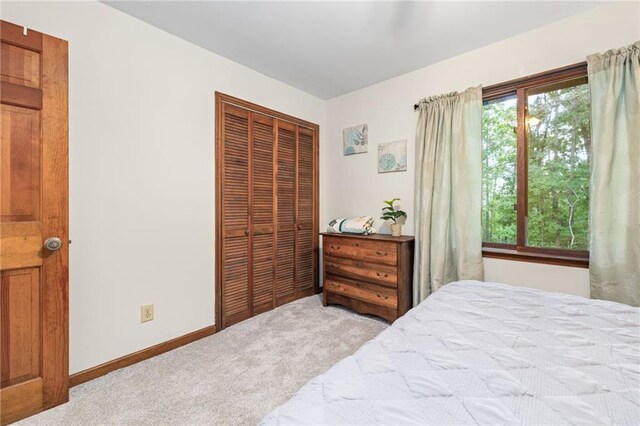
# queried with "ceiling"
point(331, 48)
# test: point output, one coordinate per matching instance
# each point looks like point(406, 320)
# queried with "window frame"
point(520, 251)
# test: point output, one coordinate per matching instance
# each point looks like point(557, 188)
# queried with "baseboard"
point(127, 360)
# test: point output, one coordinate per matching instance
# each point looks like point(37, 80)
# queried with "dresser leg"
point(324, 298)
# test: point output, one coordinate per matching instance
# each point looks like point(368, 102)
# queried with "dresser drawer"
point(369, 251)
point(380, 274)
point(370, 293)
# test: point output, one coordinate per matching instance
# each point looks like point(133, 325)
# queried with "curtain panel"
point(448, 190)
point(614, 217)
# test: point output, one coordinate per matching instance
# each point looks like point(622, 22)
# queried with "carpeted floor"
point(233, 377)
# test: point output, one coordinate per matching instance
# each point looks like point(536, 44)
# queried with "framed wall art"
point(392, 157)
point(355, 139)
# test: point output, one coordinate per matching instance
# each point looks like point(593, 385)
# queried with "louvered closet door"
point(236, 301)
point(286, 190)
point(266, 209)
point(262, 217)
point(305, 259)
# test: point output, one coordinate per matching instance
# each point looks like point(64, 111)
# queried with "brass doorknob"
point(53, 244)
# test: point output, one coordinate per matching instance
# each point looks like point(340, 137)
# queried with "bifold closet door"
point(248, 189)
point(235, 294)
point(267, 226)
point(305, 259)
point(262, 213)
point(286, 191)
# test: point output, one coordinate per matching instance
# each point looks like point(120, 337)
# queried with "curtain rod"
point(578, 68)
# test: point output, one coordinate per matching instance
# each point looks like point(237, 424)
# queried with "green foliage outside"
point(559, 140)
point(499, 158)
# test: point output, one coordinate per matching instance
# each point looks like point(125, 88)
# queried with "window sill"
point(525, 256)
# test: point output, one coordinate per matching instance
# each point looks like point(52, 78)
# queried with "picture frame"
point(355, 139)
point(392, 156)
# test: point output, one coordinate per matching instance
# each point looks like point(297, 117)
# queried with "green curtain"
point(448, 191)
point(614, 210)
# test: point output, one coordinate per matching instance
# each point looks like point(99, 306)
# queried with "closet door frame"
point(220, 99)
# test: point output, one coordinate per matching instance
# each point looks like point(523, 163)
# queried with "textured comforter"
point(485, 353)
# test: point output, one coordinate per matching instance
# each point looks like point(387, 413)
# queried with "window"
point(536, 144)
point(499, 178)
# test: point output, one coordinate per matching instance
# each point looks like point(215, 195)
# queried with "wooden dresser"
point(369, 274)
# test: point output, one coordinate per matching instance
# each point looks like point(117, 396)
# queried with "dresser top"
point(372, 237)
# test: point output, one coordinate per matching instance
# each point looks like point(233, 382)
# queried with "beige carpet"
point(233, 377)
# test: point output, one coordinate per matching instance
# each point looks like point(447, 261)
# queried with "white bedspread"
point(485, 353)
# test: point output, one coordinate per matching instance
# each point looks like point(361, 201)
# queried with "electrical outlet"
point(146, 313)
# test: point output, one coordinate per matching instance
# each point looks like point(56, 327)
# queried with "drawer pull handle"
point(382, 275)
point(382, 297)
point(335, 247)
point(382, 253)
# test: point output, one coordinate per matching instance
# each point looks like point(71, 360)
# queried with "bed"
point(485, 353)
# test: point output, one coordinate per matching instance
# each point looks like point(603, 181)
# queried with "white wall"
point(142, 158)
point(352, 185)
point(141, 172)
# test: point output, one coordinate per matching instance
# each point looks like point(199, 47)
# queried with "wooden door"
point(266, 226)
point(33, 207)
point(306, 257)
point(234, 215)
point(262, 213)
point(286, 189)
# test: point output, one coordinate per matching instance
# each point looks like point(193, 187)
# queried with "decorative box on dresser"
point(369, 274)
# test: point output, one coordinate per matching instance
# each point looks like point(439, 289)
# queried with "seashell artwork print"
point(392, 157)
point(355, 139)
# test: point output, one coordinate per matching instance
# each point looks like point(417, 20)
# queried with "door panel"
point(20, 295)
point(236, 298)
point(305, 214)
point(305, 176)
point(20, 156)
point(20, 66)
point(34, 363)
point(285, 271)
point(235, 294)
point(285, 265)
point(236, 172)
point(304, 245)
point(262, 167)
point(262, 272)
point(262, 212)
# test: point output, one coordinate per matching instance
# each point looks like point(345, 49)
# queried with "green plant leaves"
point(390, 213)
point(390, 202)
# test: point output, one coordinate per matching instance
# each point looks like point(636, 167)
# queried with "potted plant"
point(393, 213)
